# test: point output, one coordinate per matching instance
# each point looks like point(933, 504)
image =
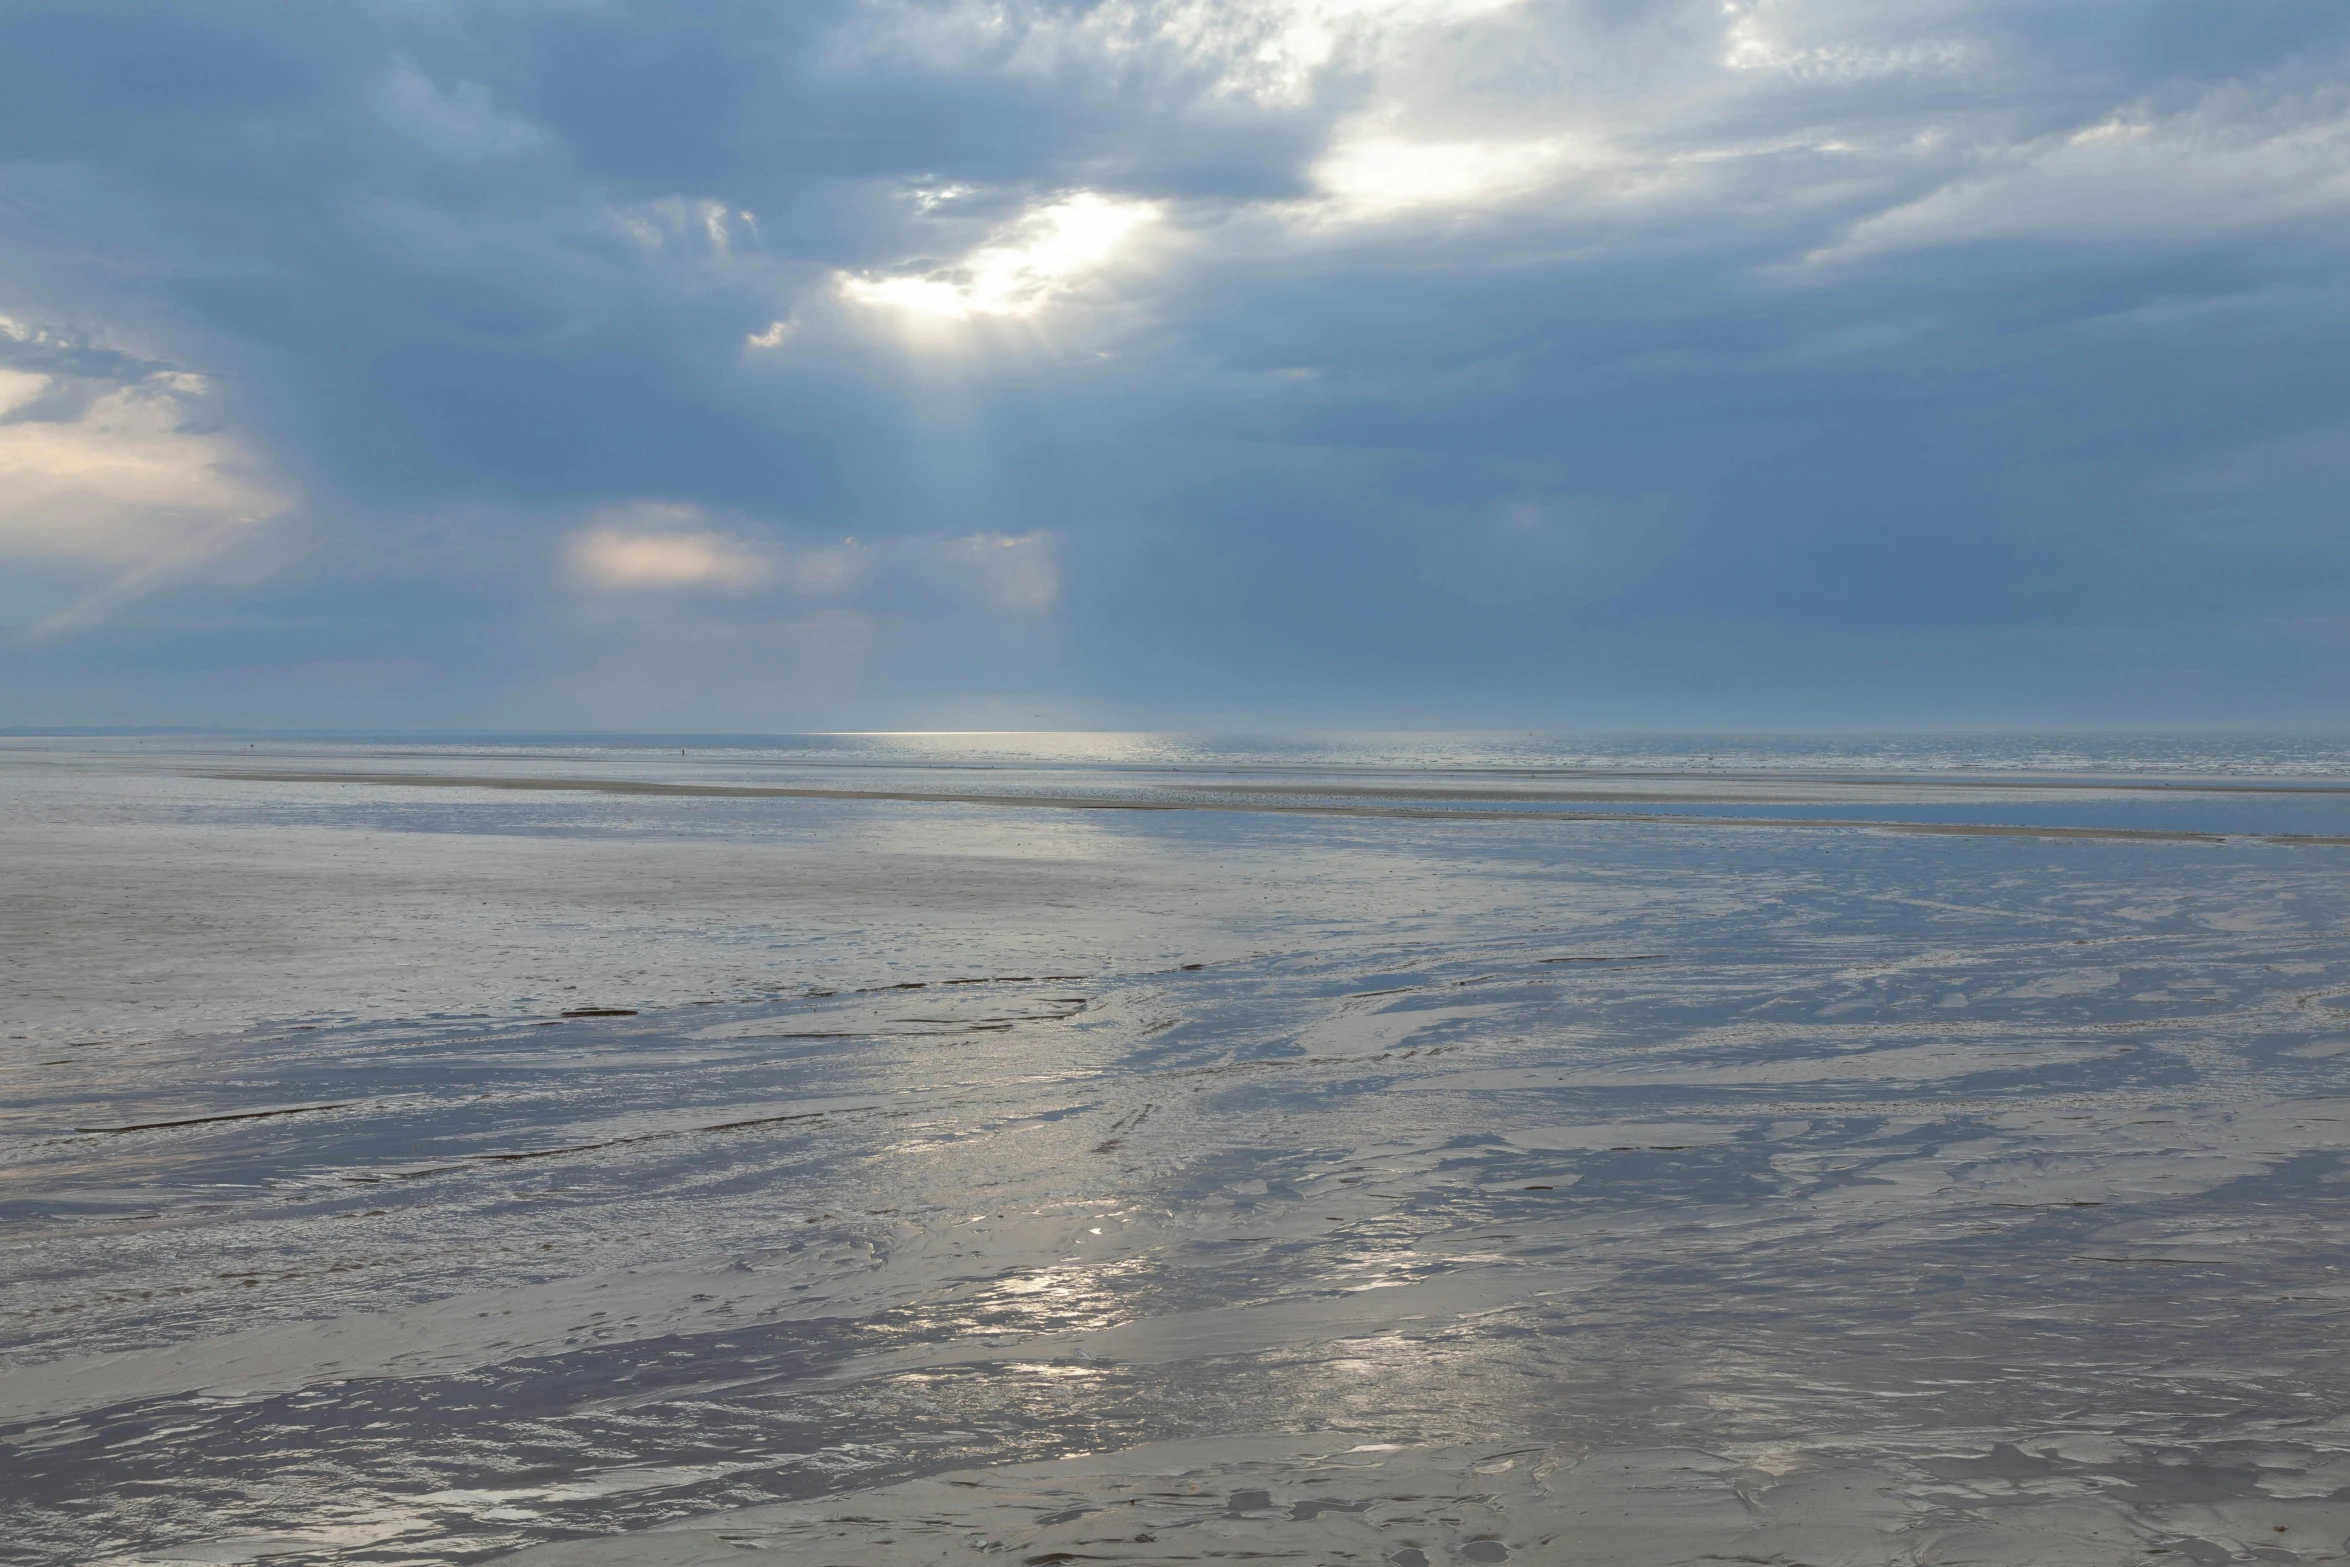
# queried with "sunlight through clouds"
point(1132, 336)
point(1264, 52)
point(650, 547)
point(1378, 175)
point(117, 473)
point(1040, 257)
point(1275, 51)
point(113, 478)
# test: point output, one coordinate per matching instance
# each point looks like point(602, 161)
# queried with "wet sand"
point(1262, 799)
point(949, 1181)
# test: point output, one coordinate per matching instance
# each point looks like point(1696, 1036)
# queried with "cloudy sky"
point(708, 364)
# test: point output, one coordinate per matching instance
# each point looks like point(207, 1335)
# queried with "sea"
point(1052, 1148)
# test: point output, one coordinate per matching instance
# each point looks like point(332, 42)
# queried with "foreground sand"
point(951, 1181)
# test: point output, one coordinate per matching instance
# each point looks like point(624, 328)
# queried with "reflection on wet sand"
point(1314, 1188)
point(1899, 800)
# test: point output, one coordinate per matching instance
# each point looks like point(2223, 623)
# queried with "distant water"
point(2273, 785)
point(2197, 753)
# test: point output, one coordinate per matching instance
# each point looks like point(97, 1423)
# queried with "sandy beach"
point(644, 1159)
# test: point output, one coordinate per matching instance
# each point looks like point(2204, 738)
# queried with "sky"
point(707, 365)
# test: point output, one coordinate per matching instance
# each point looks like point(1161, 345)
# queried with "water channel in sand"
point(1098, 1156)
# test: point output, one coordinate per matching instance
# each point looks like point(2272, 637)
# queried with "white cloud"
point(656, 548)
point(1375, 175)
point(1797, 40)
point(1268, 52)
point(120, 479)
point(652, 547)
point(668, 220)
point(117, 476)
point(1602, 125)
point(2127, 177)
point(1042, 255)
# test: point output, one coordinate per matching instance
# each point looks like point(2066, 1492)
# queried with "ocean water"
point(1406, 1149)
point(2312, 755)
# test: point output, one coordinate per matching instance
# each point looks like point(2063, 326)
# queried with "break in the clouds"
point(1340, 361)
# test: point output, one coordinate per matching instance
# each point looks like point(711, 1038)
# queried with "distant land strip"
point(627, 786)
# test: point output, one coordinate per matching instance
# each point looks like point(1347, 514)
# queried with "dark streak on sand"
point(1629, 957)
point(207, 1120)
point(1401, 812)
point(654, 1137)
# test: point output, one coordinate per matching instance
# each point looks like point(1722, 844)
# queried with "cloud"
point(116, 475)
point(647, 549)
point(2135, 178)
point(106, 464)
point(1321, 346)
point(1040, 256)
point(461, 122)
point(658, 546)
point(1264, 52)
point(1015, 575)
point(1376, 175)
point(1822, 43)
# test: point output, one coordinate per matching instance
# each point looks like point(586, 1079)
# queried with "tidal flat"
point(987, 1150)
